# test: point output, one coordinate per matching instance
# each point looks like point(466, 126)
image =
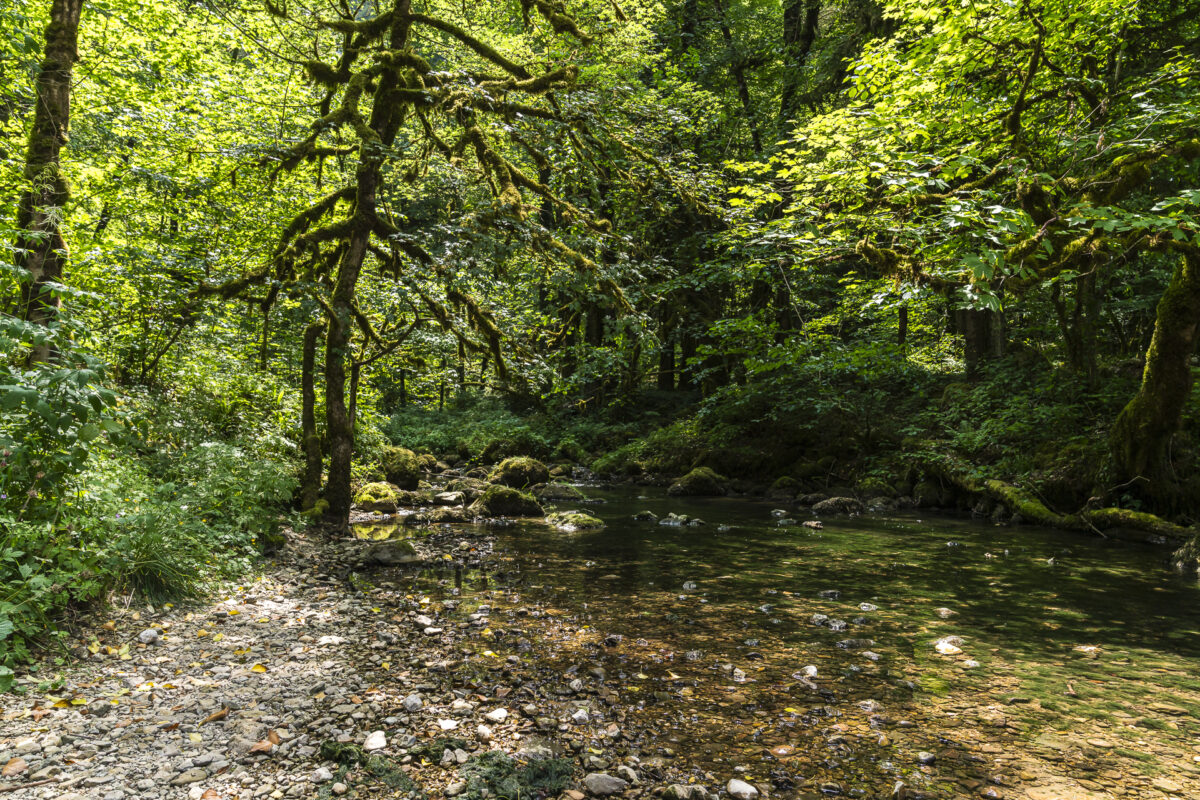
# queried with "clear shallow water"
point(1088, 651)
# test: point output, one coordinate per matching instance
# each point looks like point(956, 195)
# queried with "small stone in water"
point(867, 607)
point(738, 676)
point(741, 790)
point(830, 594)
point(689, 586)
point(925, 757)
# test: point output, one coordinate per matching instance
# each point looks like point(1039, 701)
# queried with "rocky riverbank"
point(322, 678)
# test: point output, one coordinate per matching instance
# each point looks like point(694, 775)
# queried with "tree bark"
point(737, 68)
point(800, 19)
point(386, 116)
point(1141, 436)
point(310, 486)
point(41, 248)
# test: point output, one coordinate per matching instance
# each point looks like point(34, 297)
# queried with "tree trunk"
point(800, 19)
point(737, 68)
point(338, 425)
point(41, 248)
point(355, 374)
point(386, 116)
point(1141, 436)
point(310, 486)
point(983, 336)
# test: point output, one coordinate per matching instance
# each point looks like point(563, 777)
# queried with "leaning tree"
point(401, 93)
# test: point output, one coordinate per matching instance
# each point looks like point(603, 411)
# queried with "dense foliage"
point(852, 243)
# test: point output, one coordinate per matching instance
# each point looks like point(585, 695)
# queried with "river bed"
point(807, 661)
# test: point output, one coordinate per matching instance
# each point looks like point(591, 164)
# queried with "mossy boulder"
point(700, 482)
point(505, 501)
point(549, 492)
point(401, 467)
point(471, 488)
point(381, 497)
point(784, 489)
point(428, 462)
point(838, 505)
point(574, 521)
point(520, 472)
point(871, 487)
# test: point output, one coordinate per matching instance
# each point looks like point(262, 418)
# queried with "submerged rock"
point(390, 553)
point(557, 491)
point(504, 501)
point(700, 482)
point(574, 521)
point(645, 516)
point(741, 790)
point(838, 505)
point(520, 472)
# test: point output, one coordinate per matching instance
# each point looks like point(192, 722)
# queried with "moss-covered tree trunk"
point(376, 137)
point(41, 248)
point(1142, 434)
point(310, 487)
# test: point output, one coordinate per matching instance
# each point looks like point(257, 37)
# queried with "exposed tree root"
point(1118, 522)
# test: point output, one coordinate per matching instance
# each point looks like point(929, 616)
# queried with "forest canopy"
point(941, 252)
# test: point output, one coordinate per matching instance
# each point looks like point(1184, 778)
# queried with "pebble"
point(322, 775)
point(925, 757)
point(148, 636)
point(601, 784)
point(741, 790)
point(498, 715)
point(376, 740)
point(412, 703)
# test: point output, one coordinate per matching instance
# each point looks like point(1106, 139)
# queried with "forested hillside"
point(252, 254)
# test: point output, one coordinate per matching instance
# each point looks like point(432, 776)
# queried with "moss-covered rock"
point(549, 492)
point(574, 521)
point(520, 472)
point(838, 505)
point(381, 497)
point(700, 482)
point(439, 516)
point(317, 511)
point(871, 487)
point(504, 501)
point(471, 488)
point(785, 488)
point(401, 467)
point(428, 462)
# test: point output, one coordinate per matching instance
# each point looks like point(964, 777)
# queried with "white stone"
point(741, 790)
point(375, 741)
point(498, 715)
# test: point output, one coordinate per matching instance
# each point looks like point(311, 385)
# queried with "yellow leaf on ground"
point(258, 668)
point(215, 716)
